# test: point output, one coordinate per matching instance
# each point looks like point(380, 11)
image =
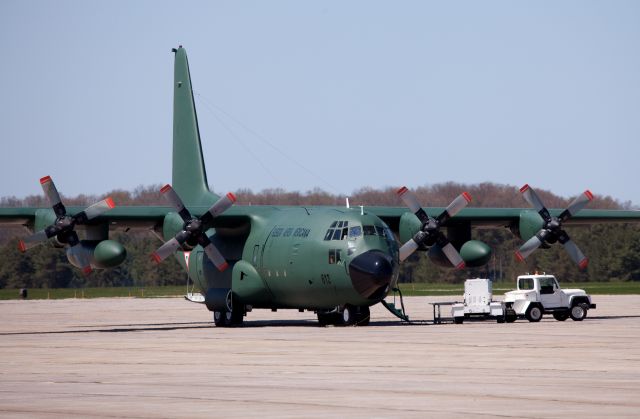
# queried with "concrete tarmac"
point(140, 358)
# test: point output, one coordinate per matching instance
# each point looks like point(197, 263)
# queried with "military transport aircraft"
point(336, 261)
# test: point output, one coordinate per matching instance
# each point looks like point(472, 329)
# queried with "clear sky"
point(359, 93)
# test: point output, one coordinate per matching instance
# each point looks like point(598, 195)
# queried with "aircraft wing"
point(133, 217)
point(149, 216)
point(504, 217)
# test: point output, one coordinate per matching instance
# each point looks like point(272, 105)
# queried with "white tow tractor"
point(539, 294)
point(478, 302)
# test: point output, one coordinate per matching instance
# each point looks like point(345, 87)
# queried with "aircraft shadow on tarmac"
point(147, 327)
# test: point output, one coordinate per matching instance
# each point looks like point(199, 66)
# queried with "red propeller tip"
point(165, 188)
point(45, 180)
point(467, 196)
point(402, 190)
point(156, 258)
point(519, 256)
point(461, 266)
point(22, 247)
point(232, 197)
point(110, 202)
point(87, 270)
point(589, 194)
point(583, 263)
point(223, 267)
point(524, 188)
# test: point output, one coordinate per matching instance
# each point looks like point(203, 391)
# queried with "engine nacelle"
point(409, 225)
point(103, 255)
point(172, 224)
point(475, 253)
point(529, 224)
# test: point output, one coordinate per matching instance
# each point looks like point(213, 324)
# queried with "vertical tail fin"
point(189, 174)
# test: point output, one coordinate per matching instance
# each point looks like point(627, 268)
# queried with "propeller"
point(193, 230)
point(551, 230)
point(430, 233)
point(63, 227)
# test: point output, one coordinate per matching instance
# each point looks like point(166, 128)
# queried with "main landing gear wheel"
point(534, 313)
point(578, 312)
point(225, 318)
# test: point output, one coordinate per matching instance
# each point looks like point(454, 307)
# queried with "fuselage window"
point(336, 234)
point(335, 256)
point(333, 224)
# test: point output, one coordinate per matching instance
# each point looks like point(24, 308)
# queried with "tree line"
point(613, 249)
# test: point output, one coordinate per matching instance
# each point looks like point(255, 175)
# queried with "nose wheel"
point(346, 316)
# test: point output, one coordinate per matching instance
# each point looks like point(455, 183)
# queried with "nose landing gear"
point(347, 315)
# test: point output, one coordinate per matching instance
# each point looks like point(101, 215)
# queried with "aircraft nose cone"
point(371, 273)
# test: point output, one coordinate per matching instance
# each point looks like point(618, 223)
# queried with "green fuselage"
point(305, 258)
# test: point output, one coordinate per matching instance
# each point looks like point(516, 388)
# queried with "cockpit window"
point(339, 230)
point(369, 230)
point(374, 231)
point(355, 231)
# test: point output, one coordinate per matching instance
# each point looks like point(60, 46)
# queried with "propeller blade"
point(407, 249)
point(81, 256)
point(175, 201)
point(575, 254)
point(99, 208)
point(454, 257)
point(222, 204)
point(32, 240)
point(529, 247)
point(580, 202)
point(216, 257)
point(166, 250)
point(534, 200)
point(411, 200)
point(455, 207)
point(51, 192)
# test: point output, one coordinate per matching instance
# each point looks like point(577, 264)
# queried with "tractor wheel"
point(510, 315)
point(578, 312)
point(458, 320)
point(534, 313)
